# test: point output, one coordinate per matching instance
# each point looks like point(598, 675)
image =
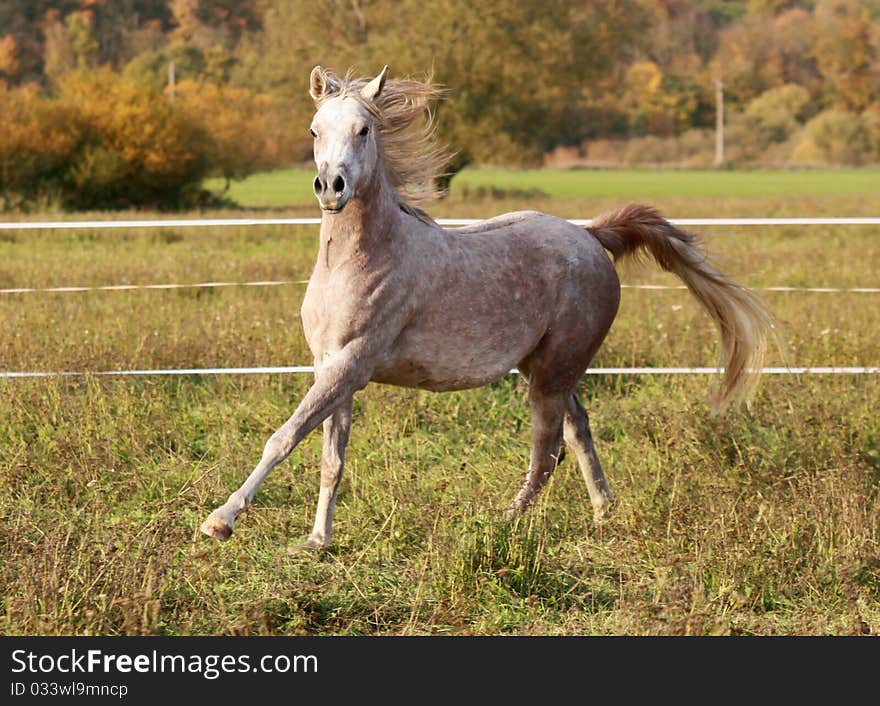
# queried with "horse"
point(396, 299)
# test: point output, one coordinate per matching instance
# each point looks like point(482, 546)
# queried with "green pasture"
point(293, 188)
point(765, 521)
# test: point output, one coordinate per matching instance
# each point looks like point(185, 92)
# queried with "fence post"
point(719, 123)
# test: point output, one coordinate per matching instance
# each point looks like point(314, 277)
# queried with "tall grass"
point(765, 521)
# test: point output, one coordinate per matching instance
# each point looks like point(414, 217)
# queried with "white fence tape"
point(130, 287)
point(300, 369)
point(226, 222)
point(818, 290)
point(277, 283)
point(232, 222)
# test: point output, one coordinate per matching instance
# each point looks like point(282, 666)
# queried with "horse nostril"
point(339, 185)
point(318, 186)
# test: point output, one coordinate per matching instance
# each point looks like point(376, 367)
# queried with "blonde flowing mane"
point(413, 156)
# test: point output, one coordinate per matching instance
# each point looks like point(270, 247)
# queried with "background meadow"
point(765, 521)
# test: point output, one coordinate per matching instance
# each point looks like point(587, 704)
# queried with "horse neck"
point(367, 225)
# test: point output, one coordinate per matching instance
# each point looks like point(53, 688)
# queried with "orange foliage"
point(37, 139)
point(241, 126)
point(9, 64)
point(102, 143)
point(106, 141)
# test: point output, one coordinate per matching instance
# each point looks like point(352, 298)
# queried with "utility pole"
point(719, 123)
point(171, 80)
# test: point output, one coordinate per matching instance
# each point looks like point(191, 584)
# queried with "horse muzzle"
point(332, 191)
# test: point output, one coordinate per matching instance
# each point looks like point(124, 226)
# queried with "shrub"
point(651, 150)
point(834, 137)
point(744, 141)
point(110, 141)
point(103, 142)
point(871, 123)
point(134, 141)
point(37, 143)
point(779, 111)
point(697, 147)
point(244, 130)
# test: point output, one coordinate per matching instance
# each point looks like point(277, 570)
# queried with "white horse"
point(394, 298)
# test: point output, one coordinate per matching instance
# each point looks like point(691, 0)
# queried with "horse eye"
point(313, 133)
point(364, 130)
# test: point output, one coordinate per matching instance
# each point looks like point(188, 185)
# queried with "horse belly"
point(442, 361)
point(418, 374)
point(429, 376)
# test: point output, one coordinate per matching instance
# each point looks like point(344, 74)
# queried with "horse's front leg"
point(336, 430)
point(340, 377)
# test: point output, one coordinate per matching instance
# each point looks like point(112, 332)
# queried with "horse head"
point(344, 131)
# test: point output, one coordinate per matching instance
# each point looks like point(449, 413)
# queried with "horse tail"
point(742, 319)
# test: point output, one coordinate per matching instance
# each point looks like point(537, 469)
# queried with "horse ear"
point(372, 90)
point(317, 83)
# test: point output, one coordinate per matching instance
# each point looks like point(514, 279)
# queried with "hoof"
point(603, 512)
point(521, 502)
point(216, 528)
point(514, 511)
point(312, 544)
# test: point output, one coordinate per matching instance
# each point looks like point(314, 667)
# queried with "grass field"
point(292, 188)
point(765, 521)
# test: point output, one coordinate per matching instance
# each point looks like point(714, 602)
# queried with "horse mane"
point(407, 137)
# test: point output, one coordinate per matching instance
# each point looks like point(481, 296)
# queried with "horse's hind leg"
point(580, 439)
point(548, 409)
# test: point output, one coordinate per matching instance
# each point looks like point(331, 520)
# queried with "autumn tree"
point(103, 142)
point(37, 145)
point(81, 31)
point(522, 76)
point(243, 130)
point(58, 57)
point(846, 52)
point(9, 64)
